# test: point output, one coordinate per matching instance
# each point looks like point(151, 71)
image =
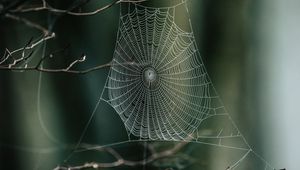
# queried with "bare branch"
point(121, 161)
point(8, 60)
point(46, 7)
point(11, 62)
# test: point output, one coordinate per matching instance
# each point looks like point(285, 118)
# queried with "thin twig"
point(28, 23)
point(47, 7)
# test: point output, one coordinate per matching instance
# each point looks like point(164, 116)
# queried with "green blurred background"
point(250, 49)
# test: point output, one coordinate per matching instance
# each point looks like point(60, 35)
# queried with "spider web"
point(159, 86)
point(181, 99)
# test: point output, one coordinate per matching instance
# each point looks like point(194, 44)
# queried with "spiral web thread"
point(178, 101)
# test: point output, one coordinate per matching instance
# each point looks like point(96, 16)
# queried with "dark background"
point(236, 42)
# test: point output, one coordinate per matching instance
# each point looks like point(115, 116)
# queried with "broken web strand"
point(133, 57)
point(47, 132)
point(59, 145)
